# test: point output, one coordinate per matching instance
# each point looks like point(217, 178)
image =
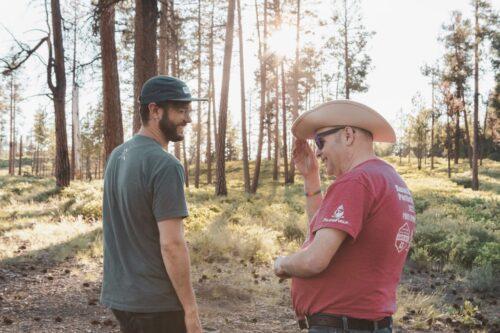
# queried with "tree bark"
point(211, 97)
point(145, 59)
point(295, 94)
point(346, 53)
point(283, 105)
point(198, 124)
point(20, 156)
point(276, 133)
point(246, 170)
point(262, 51)
point(475, 121)
point(11, 126)
point(62, 168)
point(112, 117)
point(163, 39)
point(220, 187)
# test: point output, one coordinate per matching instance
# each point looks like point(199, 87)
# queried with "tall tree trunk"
point(11, 126)
point(220, 187)
point(346, 53)
point(186, 162)
point(475, 121)
point(145, 59)
point(113, 127)
point(75, 131)
point(163, 39)
point(246, 170)
point(467, 134)
point(295, 94)
point(448, 142)
point(276, 129)
point(283, 106)
point(262, 52)
point(433, 116)
point(75, 123)
point(198, 125)
point(20, 156)
point(62, 168)
point(211, 95)
point(457, 136)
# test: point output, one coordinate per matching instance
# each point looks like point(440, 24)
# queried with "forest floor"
point(51, 255)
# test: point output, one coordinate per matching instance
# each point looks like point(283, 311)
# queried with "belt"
point(343, 322)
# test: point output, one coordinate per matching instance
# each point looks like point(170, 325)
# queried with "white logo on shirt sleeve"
point(403, 238)
point(337, 216)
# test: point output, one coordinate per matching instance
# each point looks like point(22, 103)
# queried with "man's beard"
point(169, 129)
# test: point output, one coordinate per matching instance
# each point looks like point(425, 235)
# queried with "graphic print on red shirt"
point(373, 205)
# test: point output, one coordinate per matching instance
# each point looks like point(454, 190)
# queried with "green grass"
point(457, 228)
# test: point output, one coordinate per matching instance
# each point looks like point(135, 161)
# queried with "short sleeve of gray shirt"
point(168, 191)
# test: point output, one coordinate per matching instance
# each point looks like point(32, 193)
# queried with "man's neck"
point(154, 134)
point(357, 158)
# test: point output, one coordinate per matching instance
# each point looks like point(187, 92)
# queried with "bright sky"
point(406, 38)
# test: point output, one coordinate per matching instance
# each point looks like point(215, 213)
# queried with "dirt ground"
point(43, 296)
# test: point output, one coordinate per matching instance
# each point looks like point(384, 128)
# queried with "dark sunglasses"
point(318, 138)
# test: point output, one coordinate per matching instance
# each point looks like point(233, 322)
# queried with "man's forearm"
point(177, 263)
point(299, 265)
point(311, 185)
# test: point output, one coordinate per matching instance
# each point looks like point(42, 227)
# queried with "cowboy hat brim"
point(343, 113)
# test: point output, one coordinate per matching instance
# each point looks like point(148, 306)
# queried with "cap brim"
point(343, 113)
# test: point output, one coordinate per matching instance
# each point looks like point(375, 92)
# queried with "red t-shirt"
point(372, 204)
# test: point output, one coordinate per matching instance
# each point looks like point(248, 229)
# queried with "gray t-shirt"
point(143, 185)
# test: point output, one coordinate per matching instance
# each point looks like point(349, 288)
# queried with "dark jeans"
point(322, 329)
point(155, 322)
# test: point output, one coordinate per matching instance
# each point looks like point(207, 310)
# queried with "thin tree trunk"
point(220, 187)
point(62, 168)
point(475, 121)
point(262, 51)
point(346, 53)
point(163, 39)
point(211, 104)
point(433, 115)
point(448, 142)
point(186, 162)
point(457, 136)
point(246, 170)
point(145, 59)
point(276, 129)
point(20, 156)
point(467, 134)
point(113, 127)
point(283, 106)
point(295, 94)
point(11, 126)
point(198, 125)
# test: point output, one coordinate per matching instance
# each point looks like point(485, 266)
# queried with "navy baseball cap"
point(163, 88)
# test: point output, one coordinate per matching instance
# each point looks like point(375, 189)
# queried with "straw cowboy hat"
point(343, 113)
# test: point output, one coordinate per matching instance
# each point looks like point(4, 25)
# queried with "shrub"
point(482, 279)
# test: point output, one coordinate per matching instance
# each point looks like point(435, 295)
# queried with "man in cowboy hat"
point(146, 279)
point(346, 274)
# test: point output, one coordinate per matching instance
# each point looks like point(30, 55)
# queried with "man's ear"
point(153, 111)
point(349, 136)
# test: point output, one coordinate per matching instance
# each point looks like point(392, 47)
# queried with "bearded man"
point(344, 279)
point(146, 279)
